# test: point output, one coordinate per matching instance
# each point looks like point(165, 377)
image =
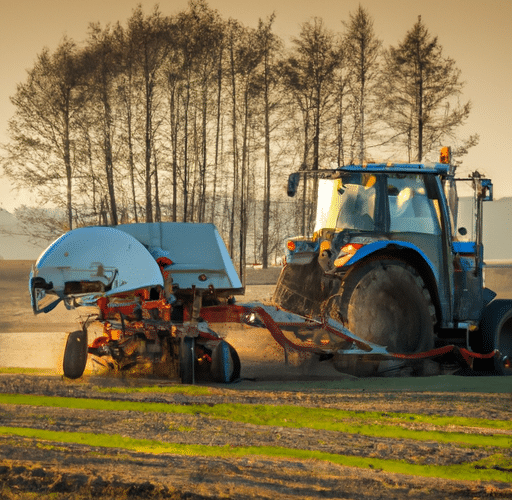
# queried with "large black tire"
point(75, 354)
point(495, 333)
point(386, 302)
point(225, 365)
point(187, 360)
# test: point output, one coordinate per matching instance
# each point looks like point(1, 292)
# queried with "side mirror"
point(293, 184)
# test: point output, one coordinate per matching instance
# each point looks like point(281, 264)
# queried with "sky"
point(474, 33)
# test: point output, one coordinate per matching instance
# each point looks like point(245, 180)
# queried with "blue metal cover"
point(423, 168)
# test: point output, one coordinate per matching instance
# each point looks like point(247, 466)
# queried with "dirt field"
point(111, 437)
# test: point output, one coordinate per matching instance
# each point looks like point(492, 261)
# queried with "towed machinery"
point(388, 283)
point(144, 285)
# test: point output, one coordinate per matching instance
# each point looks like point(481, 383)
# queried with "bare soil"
point(32, 468)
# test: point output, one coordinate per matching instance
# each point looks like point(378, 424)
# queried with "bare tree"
point(421, 92)
point(362, 51)
point(127, 94)
point(39, 155)
point(309, 74)
point(150, 42)
point(270, 45)
point(103, 58)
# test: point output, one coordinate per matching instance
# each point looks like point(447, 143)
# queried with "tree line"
point(196, 118)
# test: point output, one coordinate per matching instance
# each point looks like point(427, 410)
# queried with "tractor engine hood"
point(90, 262)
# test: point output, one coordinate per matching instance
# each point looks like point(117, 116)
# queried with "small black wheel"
point(225, 365)
point(187, 360)
point(75, 354)
point(495, 333)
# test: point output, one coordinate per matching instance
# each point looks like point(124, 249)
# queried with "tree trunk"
point(109, 167)
point(202, 180)
point(131, 165)
point(243, 195)
point(158, 213)
point(217, 136)
point(266, 192)
point(185, 154)
point(69, 172)
point(420, 116)
point(174, 120)
point(148, 145)
point(235, 161)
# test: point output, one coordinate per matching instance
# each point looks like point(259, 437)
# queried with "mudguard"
point(376, 246)
point(90, 262)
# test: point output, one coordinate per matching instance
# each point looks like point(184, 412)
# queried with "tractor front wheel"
point(495, 333)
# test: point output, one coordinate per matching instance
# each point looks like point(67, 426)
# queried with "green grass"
point(484, 470)
point(27, 371)
point(374, 424)
point(436, 384)
point(189, 390)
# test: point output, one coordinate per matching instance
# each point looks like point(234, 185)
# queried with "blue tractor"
point(389, 261)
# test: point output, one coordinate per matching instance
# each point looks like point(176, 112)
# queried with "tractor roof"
point(420, 168)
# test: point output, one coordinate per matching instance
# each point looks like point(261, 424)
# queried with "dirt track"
point(52, 464)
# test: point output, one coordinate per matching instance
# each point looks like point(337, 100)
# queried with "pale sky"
point(476, 34)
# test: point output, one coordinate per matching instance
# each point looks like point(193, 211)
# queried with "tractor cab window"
point(410, 209)
point(357, 204)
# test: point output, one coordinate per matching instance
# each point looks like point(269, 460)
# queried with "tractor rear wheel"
point(495, 333)
point(75, 354)
point(386, 302)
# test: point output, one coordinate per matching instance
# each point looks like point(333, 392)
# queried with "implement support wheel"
point(187, 360)
point(225, 363)
point(75, 354)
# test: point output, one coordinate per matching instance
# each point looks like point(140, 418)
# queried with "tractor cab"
point(404, 213)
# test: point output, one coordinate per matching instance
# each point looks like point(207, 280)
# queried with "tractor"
point(390, 261)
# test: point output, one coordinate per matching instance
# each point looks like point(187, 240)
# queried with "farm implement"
point(388, 283)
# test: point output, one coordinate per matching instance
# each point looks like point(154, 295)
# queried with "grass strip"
point(369, 417)
point(189, 390)
point(284, 416)
point(495, 468)
point(439, 384)
point(25, 371)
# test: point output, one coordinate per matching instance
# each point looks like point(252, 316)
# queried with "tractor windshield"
point(357, 209)
point(394, 202)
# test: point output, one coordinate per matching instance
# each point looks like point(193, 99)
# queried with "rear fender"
point(366, 251)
